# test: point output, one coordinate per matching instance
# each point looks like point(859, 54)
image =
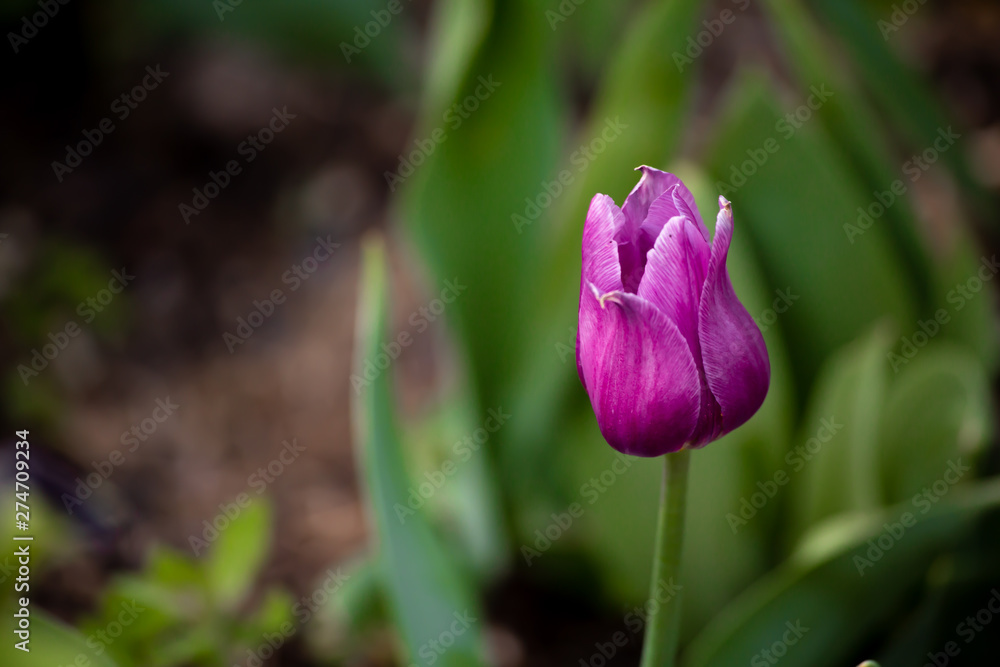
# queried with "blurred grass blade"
point(234, 561)
point(838, 587)
point(427, 593)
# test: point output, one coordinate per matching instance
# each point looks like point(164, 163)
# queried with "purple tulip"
point(667, 353)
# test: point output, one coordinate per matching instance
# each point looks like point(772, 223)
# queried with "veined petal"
point(733, 354)
point(673, 282)
point(650, 187)
point(600, 250)
point(639, 373)
point(675, 274)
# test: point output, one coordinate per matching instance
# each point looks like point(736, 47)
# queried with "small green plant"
point(184, 611)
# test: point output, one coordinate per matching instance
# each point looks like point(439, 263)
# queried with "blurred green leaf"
point(235, 560)
point(428, 594)
point(858, 133)
point(272, 617)
point(464, 494)
point(51, 643)
point(341, 626)
point(840, 585)
point(794, 205)
point(836, 466)
point(460, 217)
point(458, 28)
point(938, 410)
point(897, 89)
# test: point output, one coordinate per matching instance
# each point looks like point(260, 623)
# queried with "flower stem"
point(662, 629)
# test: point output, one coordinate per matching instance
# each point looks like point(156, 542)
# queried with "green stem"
point(663, 626)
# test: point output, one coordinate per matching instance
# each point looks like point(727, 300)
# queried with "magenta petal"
point(639, 372)
point(651, 185)
point(675, 274)
point(733, 354)
point(600, 251)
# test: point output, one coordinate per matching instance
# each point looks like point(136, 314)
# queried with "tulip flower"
point(667, 353)
point(669, 356)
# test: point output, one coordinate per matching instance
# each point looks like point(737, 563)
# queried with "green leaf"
point(458, 28)
point(51, 643)
point(939, 407)
point(897, 89)
point(426, 590)
point(839, 586)
point(858, 132)
point(460, 216)
point(835, 465)
point(236, 557)
point(794, 206)
point(356, 608)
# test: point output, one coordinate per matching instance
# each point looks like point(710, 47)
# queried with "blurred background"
point(288, 296)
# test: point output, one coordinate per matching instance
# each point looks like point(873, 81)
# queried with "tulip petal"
point(600, 251)
point(638, 371)
point(733, 354)
point(657, 197)
point(675, 274)
point(650, 187)
point(673, 282)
